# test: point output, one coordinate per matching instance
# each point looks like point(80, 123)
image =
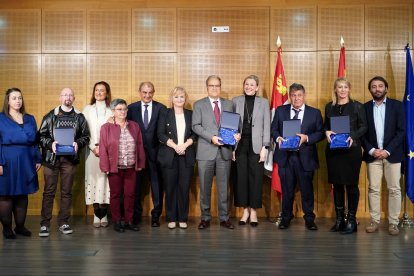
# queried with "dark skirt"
point(344, 165)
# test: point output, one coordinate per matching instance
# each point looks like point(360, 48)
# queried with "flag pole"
point(405, 220)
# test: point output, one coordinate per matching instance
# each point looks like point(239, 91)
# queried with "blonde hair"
point(337, 81)
point(175, 91)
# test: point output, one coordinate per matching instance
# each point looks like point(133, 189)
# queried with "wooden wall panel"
point(391, 66)
point(20, 31)
point(327, 74)
point(160, 69)
point(109, 31)
point(388, 27)
point(24, 72)
point(337, 21)
point(249, 29)
point(297, 28)
point(115, 69)
point(154, 30)
point(64, 31)
point(60, 71)
point(232, 68)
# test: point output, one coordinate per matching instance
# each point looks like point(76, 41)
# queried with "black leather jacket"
point(46, 136)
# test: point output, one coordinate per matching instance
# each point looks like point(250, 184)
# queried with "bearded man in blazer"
point(298, 167)
point(146, 113)
point(213, 157)
point(383, 152)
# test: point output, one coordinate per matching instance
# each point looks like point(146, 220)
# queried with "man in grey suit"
point(212, 156)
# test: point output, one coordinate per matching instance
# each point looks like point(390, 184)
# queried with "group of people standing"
point(377, 131)
point(125, 143)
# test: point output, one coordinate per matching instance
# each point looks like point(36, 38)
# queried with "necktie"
point(217, 112)
point(296, 113)
point(146, 116)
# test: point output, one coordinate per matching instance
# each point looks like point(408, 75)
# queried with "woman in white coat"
point(96, 182)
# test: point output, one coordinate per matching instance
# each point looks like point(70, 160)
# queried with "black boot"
point(339, 225)
point(97, 211)
point(351, 225)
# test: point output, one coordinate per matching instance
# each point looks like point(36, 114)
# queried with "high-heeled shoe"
point(242, 222)
point(254, 223)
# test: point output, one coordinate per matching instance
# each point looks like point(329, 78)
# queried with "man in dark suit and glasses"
point(383, 152)
point(145, 113)
point(297, 167)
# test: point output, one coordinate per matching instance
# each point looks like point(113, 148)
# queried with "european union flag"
point(409, 117)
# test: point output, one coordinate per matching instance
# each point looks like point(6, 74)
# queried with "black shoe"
point(118, 227)
point(132, 227)
point(242, 222)
point(284, 224)
point(8, 234)
point(22, 231)
point(311, 225)
point(155, 223)
point(254, 223)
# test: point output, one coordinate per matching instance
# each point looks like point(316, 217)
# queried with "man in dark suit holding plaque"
point(297, 166)
point(61, 159)
point(383, 152)
point(214, 158)
point(146, 113)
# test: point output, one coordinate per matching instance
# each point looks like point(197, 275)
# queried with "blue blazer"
point(312, 125)
point(394, 131)
point(149, 135)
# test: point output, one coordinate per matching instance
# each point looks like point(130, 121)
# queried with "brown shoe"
point(204, 224)
point(372, 227)
point(393, 230)
point(227, 224)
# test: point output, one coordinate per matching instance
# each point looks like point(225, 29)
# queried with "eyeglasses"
point(121, 109)
point(214, 85)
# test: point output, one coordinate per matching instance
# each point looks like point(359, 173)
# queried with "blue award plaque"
point(65, 138)
point(229, 125)
point(290, 140)
point(340, 125)
point(339, 141)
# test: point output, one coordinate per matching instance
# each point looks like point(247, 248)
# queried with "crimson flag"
point(279, 97)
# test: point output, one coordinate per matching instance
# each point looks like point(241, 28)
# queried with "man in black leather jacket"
point(64, 116)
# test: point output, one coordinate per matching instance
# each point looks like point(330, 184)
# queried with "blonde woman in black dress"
point(344, 164)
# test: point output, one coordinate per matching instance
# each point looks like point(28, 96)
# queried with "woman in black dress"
point(344, 164)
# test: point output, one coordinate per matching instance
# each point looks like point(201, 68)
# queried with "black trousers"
point(157, 194)
point(248, 184)
point(177, 180)
point(290, 176)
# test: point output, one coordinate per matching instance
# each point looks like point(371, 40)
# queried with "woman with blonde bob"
point(176, 157)
point(344, 164)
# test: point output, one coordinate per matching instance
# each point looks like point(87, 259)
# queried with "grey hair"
point(116, 102)
point(213, 77)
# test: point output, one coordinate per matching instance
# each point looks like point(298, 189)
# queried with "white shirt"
point(180, 122)
point(300, 115)
point(213, 105)
point(149, 110)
